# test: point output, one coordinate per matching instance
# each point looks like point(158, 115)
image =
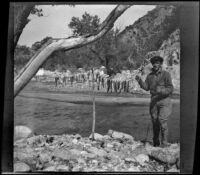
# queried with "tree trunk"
point(93, 106)
point(64, 44)
point(21, 13)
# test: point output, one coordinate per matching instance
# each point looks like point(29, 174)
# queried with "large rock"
point(51, 168)
point(96, 136)
point(139, 149)
point(62, 168)
point(36, 140)
point(120, 135)
point(90, 155)
point(130, 159)
point(81, 161)
point(134, 169)
point(75, 141)
point(63, 154)
point(142, 159)
point(22, 132)
point(75, 152)
point(173, 169)
point(44, 157)
point(96, 151)
point(163, 156)
point(178, 163)
point(166, 155)
point(21, 167)
point(106, 137)
point(24, 154)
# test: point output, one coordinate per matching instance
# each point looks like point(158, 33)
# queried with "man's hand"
point(137, 77)
point(159, 89)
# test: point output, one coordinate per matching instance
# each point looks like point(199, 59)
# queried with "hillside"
point(148, 32)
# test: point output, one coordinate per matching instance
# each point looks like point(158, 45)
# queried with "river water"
point(45, 116)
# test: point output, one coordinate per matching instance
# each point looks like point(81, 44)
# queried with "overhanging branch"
point(64, 44)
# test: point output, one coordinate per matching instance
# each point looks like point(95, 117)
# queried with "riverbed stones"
point(21, 167)
point(47, 153)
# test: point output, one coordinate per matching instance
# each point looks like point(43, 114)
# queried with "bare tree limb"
point(64, 44)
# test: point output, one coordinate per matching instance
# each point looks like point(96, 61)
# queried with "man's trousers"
point(160, 111)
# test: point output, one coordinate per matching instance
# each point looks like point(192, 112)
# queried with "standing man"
point(159, 83)
point(56, 80)
point(64, 78)
point(72, 79)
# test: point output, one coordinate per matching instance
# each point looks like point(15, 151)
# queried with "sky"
point(56, 19)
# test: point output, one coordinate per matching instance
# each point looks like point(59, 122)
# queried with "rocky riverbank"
point(113, 152)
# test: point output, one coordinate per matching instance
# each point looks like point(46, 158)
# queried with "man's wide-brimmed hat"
point(155, 59)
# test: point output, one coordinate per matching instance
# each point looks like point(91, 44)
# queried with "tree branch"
point(64, 44)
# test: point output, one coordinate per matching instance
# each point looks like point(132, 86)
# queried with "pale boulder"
point(142, 159)
point(21, 167)
point(120, 135)
point(96, 136)
point(51, 168)
point(22, 132)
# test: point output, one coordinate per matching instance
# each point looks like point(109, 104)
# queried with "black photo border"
point(189, 19)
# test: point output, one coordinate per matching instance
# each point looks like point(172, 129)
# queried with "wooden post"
point(93, 105)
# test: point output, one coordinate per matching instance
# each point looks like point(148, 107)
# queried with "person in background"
point(64, 78)
point(159, 83)
point(56, 79)
point(72, 80)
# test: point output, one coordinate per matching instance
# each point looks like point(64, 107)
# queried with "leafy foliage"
point(37, 11)
point(37, 45)
point(87, 25)
point(21, 56)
